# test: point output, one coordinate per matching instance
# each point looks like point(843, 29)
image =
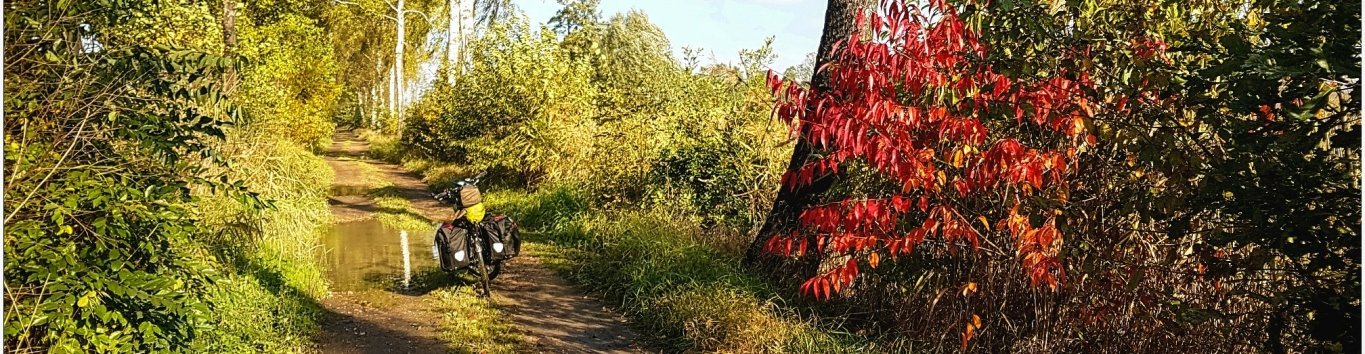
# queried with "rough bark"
point(840, 23)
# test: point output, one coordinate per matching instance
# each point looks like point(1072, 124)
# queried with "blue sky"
point(720, 27)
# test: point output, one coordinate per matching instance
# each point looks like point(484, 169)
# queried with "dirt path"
point(551, 316)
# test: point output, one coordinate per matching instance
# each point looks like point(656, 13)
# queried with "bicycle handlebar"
point(445, 194)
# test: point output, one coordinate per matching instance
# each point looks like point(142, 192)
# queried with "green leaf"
point(85, 299)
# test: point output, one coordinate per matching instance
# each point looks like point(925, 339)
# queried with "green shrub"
point(707, 175)
point(159, 203)
point(382, 146)
point(102, 150)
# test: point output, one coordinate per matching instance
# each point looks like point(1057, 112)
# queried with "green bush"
point(382, 146)
point(102, 151)
point(163, 196)
point(707, 175)
point(627, 126)
point(521, 108)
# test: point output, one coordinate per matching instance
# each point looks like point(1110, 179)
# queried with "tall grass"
point(679, 287)
point(266, 300)
point(382, 146)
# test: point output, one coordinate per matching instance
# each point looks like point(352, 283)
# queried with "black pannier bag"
point(504, 240)
point(452, 245)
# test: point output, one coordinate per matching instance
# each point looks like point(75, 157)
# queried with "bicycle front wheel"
point(484, 277)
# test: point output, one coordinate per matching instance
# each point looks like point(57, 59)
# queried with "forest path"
point(549, 314)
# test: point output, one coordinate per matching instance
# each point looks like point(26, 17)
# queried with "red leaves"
point(1037, 248)
point(1266, 113)
point(825, 285)
point(915, 104)
point(1146, 48)
point(970, 331)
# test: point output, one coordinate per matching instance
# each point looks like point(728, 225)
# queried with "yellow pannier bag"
point(474, 213)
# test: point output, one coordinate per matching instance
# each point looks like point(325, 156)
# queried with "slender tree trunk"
point(374, 106)
point(466, 31)
point(398, 60)
point(840, 23)
point(377, 91)
point(455, 42)
point(359, 110)
point(393, 90)
point(229, 23)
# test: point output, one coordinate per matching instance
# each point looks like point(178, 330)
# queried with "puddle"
point(366, 254)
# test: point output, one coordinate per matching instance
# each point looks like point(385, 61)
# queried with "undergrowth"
point(266, 300)
point(681, 289)
point(684, 289)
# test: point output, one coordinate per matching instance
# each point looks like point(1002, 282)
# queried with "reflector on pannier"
point(504, 239)
point(452, 244)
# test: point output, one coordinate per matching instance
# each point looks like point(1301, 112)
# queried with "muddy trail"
point(368, 312)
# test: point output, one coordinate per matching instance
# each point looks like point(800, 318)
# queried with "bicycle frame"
point(481, 266)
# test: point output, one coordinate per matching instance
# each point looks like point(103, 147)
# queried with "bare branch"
point(423, 14)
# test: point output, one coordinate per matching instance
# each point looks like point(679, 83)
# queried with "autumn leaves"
point(911, 102)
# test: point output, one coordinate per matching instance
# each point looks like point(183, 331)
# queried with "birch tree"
point(397, 82)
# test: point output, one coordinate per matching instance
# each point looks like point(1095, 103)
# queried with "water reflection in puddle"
point(366, 254)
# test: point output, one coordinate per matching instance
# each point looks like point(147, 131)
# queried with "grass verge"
point(680, 290)
point(471, 324)
point(266, 299)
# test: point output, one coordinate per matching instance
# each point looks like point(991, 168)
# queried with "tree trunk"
point(393, 90)
point(380, 94)
point(398, 60)
point(230, 44)
point(374, 106)
point(453, 42)
point(466, 32)
point(840, 22)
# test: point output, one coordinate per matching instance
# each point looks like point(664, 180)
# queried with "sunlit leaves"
point(909, 100)
point(104, 145)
